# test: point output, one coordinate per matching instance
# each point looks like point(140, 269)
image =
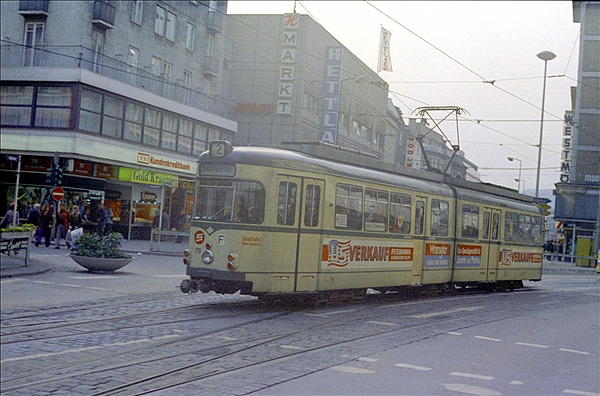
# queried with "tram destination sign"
point(216, 169)
point(540, 200)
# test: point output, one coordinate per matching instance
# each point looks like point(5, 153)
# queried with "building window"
point(186, 132)
point(112, 121)
point(167, 71)
point(34, 38)
point(91, 110)
point(156, 65)
point(187, 78)
point(137, 7)
point(190, 37)
point(200, 136)
point(16, 103)
point(53, 107)
point(134, 115)
point(210, 45)
point(134, 54)
point(152, 120)
point(169, 132)
point(159, 23)
point(98, 48)
point(171, 23)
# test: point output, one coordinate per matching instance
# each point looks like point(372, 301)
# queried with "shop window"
point(133, 122)
point(376, 210)
point(348, 207)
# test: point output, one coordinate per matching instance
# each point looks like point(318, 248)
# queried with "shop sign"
point(147, 196)
point(149, 159)
point(144, 176)
point(36, 163)
point(289, 39)
point(565, 161)
point(331, 95)
point(105, 171)
point(83, 168)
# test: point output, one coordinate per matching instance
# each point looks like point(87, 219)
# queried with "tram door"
point(419, 231)
point(490, 236)
point(300, 210)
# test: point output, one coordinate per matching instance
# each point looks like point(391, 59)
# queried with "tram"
point(318, 220)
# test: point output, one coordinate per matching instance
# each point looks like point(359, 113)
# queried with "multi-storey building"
point(122, 95)
point(294, 82)
point(577, 194)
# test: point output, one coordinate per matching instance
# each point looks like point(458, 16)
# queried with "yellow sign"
point(144, 176)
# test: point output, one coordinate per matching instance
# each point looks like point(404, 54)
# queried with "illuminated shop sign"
point(149, 159)
point(144, 176)
point(567, 148)
point(331, 95)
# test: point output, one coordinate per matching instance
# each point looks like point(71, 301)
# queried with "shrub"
point(94, 245)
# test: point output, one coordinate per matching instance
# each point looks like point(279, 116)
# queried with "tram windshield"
point(227, 201)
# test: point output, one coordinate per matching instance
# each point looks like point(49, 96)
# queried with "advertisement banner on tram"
point(359, 253)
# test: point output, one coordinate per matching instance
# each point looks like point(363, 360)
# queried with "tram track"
point(169, 353)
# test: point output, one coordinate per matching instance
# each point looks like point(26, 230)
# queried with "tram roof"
point(333, 160)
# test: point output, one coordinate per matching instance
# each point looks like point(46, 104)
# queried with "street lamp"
point(545, 56)
point(511, 159)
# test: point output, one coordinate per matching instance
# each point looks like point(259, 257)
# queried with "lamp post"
point(545, 56)
point(511, 159)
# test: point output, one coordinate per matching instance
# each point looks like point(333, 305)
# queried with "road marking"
point(69, 285)
point(227, 338)
point(381, 323)
point(454, 333)
point(469, 375)
point(353, 370)
point(532, 345)
point(367, 359)
point(44, 282)
point(412, 367)
point(576, 392)
point(471, 390)
point(10, 281)
point(92, 277)
point(430, 315)
point(488, 338)
point(168, 276)
point(574, 351)
point(516, 383)
point(327, 314)
point(291, 347)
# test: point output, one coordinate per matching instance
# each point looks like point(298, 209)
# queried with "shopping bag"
point(76, 234)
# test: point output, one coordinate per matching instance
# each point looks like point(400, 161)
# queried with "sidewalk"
point(14, 266)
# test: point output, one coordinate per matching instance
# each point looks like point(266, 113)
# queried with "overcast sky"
point(442, 52)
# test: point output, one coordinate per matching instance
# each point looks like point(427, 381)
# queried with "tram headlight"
point(208, 257)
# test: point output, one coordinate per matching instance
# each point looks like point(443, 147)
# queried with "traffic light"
point(51, 177)
point(59, 176)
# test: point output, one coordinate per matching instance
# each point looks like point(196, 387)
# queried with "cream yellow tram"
point(273, 221)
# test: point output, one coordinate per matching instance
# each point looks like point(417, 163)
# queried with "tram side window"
point(511, 227)
point(419, 217)
point(286, 203)
point(249, 203)
point(240, 202)
point(530, 229)
point(537, 229)
point(439, 217)
point(485, 231)
point(400, 213)
point(311, 208)
point(495, 226)
point(376, 209)
point(470, 221)
point(348, 207)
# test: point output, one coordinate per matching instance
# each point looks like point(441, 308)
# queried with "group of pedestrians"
point(551, 247)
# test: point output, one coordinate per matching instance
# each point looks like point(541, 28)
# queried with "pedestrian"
point(9, 217)
point(166, 220)
point(101, 219)
point(549, 247)
point(62, 225)
point(33, 216)
point(109, 220)
point(46, 225)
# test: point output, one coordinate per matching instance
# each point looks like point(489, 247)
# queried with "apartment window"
point(200, 136)
point(53, 107)
point(156, 65)
point(34, 37)
point(159, 23)
point(134, 115)
point(152, 120)
point(137, 7)
point(210, 45)
point(98, 48)
point(171, 22)
point(187, 78)
point(112, 120)
point(134, 54)
point(167, 71)
point(186, 133)
point(91, 111)
point(16, 103)
point(169, 132)
point(190, 37)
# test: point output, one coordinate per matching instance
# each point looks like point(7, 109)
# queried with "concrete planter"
point(101, 264)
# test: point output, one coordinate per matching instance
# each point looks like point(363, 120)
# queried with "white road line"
point(353, 370)
point(454, 333)
point(532, 345)
point(44, 282)
point(69, 285)
point(412, 367)
point(430, 315)
point(381, 323)
point(471, 390)
point(469, 375)
point(367, 359)
point(92, 277)
point(574, 351)
point(227, 338)
point(488, 339)
point(290, 347)
point(516, 383)
point(576, 392)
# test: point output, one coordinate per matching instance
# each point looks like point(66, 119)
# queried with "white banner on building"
point(385, 59)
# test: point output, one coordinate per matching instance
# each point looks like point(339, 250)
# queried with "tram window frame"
point(400, 215)
point(485, 229)
point(495, 226)
point(375, 210)
point(348, 207)
point(440, 212)
point(470, 221)
point(312, 205)
point(419, 217)
point(222, 199)
point(511, 226)
point(286, 203)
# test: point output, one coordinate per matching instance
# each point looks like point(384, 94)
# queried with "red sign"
point(58, 193)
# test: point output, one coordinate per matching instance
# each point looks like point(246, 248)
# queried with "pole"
point(539, 161)
point(15, 212)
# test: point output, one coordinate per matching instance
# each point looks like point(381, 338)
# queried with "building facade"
point(577, 213)
point(122, 96)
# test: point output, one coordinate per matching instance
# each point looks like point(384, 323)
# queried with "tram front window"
point(235, 202)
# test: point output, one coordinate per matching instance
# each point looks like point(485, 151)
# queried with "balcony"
point(104, 14)
point(33, 7)
point(211, 66)
point(215, 22)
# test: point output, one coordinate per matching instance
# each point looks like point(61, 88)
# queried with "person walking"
point(62, 225)
point(9, 217)
point(33, 217)
point(46, 225)
point(101, 219)
point(109, 220)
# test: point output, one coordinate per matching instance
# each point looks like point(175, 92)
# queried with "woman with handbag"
point(46, 225)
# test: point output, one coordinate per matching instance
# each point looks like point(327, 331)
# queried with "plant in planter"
point(100, 253)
